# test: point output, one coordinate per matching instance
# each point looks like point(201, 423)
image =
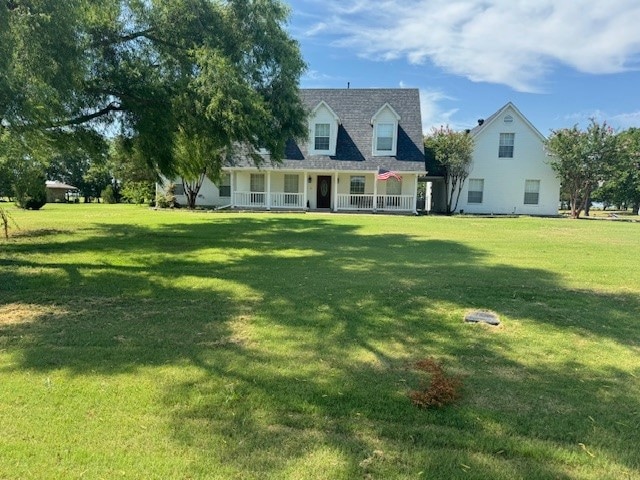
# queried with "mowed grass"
point(168, 344)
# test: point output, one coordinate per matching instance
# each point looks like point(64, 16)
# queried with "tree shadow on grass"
point(305, 331)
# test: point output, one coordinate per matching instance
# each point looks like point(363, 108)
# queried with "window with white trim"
point(324, 124)
point(531, 192)
point(322, 136)
point(291, 187)
point(291, 183)
point(256, 185)
point(475, 190)
point(178, 188)
point(394, 186)
point(507, 140)
point(356, 186)
point(394, 190)
point(384, 137)
point(257, 182)
point(225, 185)
point(385, 131)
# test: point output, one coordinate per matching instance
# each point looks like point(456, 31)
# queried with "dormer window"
point(322, 136)
point(384, 137)
point(385, 131)
point(323, 130)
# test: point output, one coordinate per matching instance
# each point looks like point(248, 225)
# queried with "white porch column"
point(335, 191)
point(232, 183)
point(305, 199)
point(415, 193)
point(375, 192)
point(268, 190)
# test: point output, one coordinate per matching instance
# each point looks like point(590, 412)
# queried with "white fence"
point(250, 199)
point(389, 203)
point(400, 203)
point(259, 199)
point(287, 200)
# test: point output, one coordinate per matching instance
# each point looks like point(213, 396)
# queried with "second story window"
point(384, 137)
point(322, 136)
point(385, 131)
point(323, 130)
point(505, 150)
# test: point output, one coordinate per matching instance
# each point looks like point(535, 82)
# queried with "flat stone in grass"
point(478, 316)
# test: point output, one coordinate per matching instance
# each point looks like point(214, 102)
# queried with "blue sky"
point(560, 61)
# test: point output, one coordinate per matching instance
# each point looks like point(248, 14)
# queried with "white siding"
point(208, 196)
point(504, 178)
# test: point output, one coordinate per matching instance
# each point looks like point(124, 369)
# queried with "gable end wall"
point(504, 178)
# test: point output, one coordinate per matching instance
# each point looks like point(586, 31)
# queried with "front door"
point(324, 192)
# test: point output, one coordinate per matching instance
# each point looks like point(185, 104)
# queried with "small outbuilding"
point(60, 192)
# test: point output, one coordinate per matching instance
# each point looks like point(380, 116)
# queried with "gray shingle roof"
point(356, 107)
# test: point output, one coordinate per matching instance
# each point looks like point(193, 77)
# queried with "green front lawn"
point(143, 344)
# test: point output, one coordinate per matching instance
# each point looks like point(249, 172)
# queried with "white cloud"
point(432, 111)
point(626, 120)
point(315, 29)
point(500, 41)
point(619, 121)
point(315, 75)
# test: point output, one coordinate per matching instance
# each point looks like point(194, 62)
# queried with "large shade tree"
point(622, 185)
point(581, 160)
point(149, 69)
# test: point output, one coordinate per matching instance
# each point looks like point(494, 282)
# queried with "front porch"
point(336, 191)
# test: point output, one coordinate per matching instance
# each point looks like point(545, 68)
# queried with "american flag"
point(387, 174)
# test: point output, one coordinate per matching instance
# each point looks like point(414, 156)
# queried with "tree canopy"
point(621, 187)
point(454, 151)
point(581, 159)
point(150, 70)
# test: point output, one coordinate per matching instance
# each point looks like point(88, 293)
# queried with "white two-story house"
point(354, 137)
point(510, 173)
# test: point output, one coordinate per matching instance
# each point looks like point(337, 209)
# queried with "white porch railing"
point(287, 200)
point(355, 202)
point(250, 199)
point(259, 200)
point(399, 203)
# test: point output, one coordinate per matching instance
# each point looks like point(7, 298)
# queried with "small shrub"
point(30, 190)
point(5, 220)
point(138, 192)
point(168, 199)
point(35, 202)
point(442, 390)
point(108, 195)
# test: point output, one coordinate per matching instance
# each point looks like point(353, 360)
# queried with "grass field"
point(168, 344)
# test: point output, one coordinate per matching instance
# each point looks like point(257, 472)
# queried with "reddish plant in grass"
point(442, 390)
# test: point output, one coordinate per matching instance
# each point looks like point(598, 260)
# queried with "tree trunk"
point(460, 185)
point(191, 198)
point(191, 190)
point(574, 204)
point(635, 208)
point(587, 204)
point(447, 189)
